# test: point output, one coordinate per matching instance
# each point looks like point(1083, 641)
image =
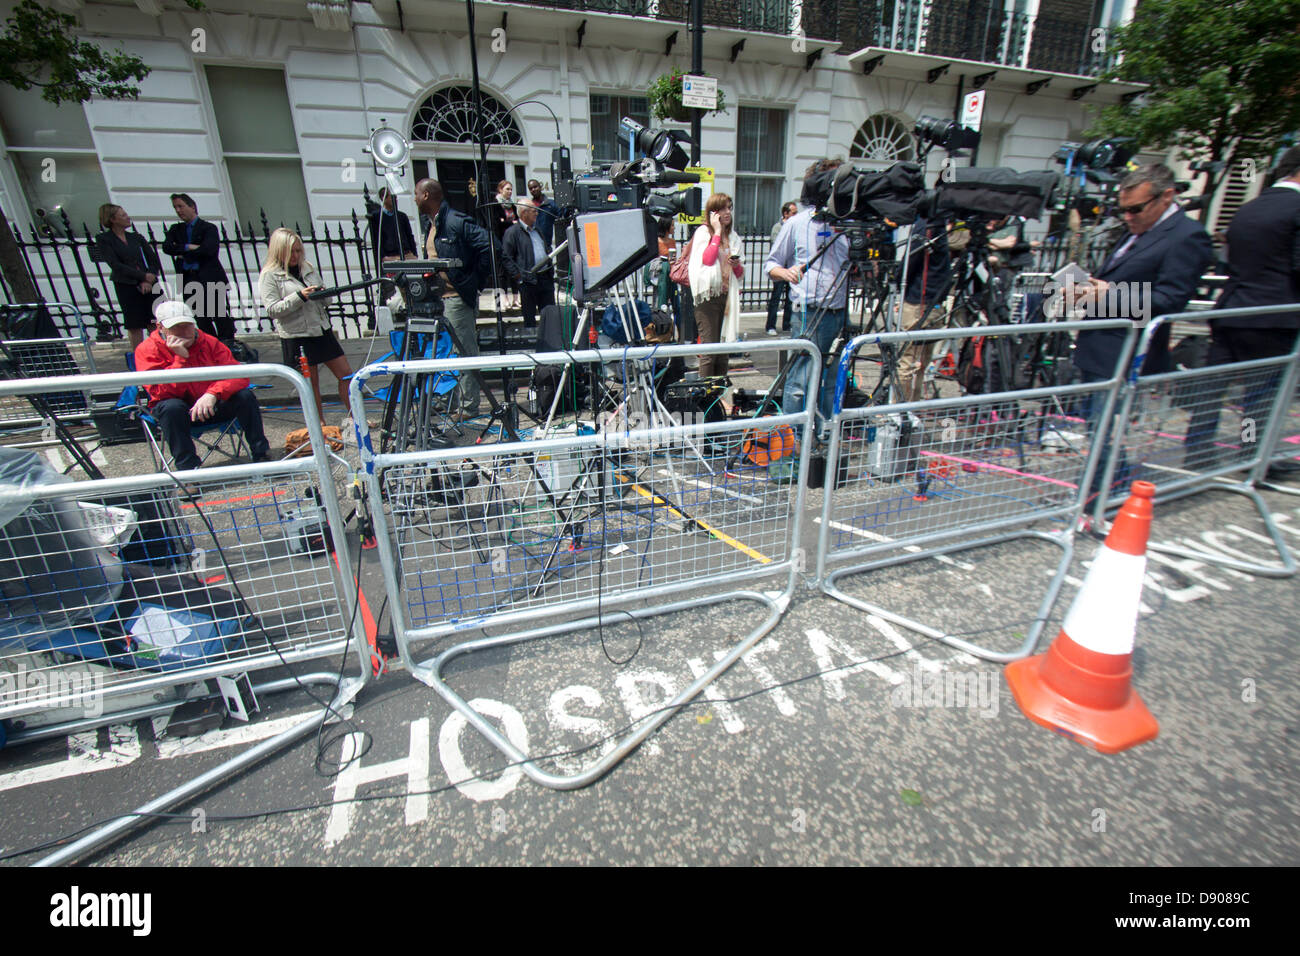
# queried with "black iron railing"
point(818, 19)
point(981, 30)
point(65, 272)
point(65, 266)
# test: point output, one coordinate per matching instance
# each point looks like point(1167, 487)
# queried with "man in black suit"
point(1152, 271)
point(390, 230)
point(523, 246)
point(196, 247)
point(1263, 269)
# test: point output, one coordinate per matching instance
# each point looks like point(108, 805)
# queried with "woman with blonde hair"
point(134, 267)
point(716, 271)
point(303, 324)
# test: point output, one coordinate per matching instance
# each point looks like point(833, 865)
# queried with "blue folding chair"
point(229, 441)
point(441, 387)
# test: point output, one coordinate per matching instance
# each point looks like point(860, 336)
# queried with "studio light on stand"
point(388, 151)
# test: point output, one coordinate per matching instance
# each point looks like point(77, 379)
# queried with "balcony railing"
point(979, 30)
point(983, 31)
point(818, 18)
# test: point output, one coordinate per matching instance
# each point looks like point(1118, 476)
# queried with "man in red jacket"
point(177, 343)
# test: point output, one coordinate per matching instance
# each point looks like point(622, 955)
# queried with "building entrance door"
point(456, 175)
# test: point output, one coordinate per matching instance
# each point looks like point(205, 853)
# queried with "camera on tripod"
point(422, 284)
point(612, 208)
point(1092, 171)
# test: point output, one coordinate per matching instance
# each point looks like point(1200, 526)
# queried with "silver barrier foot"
point(142, 815)
point(1062, 540)
point(432, 673)
point(1285, 569)
point(1283, 489)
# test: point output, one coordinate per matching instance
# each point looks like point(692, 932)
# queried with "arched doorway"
point(443, 144)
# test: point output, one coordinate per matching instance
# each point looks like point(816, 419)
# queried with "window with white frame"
point(258, 144)
point(608, 141)
point(54, 158)
point(760, 168)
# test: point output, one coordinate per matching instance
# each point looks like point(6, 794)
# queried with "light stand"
point(508, 413)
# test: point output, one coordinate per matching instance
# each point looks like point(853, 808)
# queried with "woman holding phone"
point(303, 324)
point(716, 273)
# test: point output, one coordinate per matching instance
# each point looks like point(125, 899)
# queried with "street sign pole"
point(697, 67)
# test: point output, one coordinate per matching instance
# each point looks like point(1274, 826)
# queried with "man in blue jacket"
point(453, 235)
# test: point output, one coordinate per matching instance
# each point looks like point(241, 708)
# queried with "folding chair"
point(441, 388)
point(229, 441)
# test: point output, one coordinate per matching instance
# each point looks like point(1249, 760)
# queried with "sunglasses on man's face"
point(1134, 210)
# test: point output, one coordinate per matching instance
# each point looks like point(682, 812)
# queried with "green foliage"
point(665, 96)
point(1224, 77)
point(38, 49)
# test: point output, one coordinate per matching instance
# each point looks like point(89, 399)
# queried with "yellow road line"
point(715, 532)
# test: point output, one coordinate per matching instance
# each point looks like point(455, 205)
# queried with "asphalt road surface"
point(840, 738)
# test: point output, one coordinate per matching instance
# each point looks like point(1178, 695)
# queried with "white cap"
point(170, 314)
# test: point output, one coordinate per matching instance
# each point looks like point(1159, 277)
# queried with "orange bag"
point(763, 448)
point(297, 442)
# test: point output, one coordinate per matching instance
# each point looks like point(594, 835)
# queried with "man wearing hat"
point(177, 343)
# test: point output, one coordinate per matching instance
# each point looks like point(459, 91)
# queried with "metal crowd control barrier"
point(921, 479)
point(1187, 431)
point(1286, 444)
point(118, 593)
point(677, 513)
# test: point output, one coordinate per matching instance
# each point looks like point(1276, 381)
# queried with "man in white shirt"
point(819, 290)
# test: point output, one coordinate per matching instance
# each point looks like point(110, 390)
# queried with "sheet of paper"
point(157, 628)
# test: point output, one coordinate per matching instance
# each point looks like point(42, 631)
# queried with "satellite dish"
point(389, 147)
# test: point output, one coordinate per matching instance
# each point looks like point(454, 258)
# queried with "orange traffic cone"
point(1080, 687)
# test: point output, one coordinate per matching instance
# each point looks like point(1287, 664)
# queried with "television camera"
point(612, 208)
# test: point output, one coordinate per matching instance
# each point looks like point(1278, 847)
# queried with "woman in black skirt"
point(135, 269)
point(286, 281)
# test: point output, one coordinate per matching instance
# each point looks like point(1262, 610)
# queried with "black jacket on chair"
point(1264, 260)
point(207, 255)
point(517, 251)
point(1160, 271)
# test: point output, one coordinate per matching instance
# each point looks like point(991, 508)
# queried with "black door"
point(456, 175)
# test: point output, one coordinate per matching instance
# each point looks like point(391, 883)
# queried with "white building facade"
point(267, 105)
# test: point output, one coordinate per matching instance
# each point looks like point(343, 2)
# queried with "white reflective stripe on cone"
point(1103, 617)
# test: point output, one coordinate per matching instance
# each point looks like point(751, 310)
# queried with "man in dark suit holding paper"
point(1152, 271)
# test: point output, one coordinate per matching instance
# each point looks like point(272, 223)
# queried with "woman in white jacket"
point(716, 271)
point(286, 281)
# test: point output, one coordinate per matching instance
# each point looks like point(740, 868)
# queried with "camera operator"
point(820, 300)
point(453, 235)
point(1263, 269)
point(929, 276)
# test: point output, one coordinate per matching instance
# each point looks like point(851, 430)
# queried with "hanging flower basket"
point(665, 96)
